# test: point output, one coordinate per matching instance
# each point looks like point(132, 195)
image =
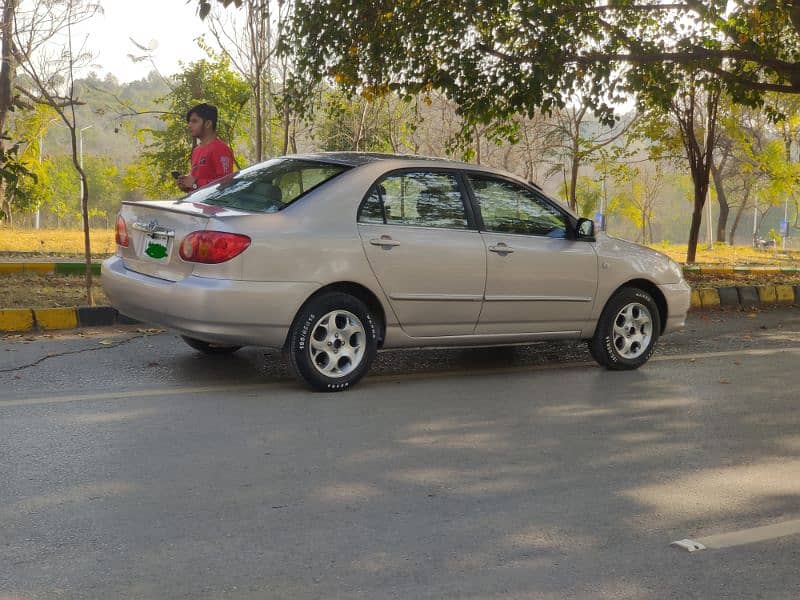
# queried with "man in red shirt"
point(211, 158)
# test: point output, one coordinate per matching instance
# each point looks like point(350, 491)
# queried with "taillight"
point(122, 232)
point(212, 247)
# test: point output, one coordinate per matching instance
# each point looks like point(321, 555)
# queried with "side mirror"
point(585, 229)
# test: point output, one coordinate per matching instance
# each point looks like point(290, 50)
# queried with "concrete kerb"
point(78, 268)
point(17, 320)
point(728, 296)
point(46, 268)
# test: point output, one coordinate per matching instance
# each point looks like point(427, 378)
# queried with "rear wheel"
point(627, 331)
point(209, 348)
point(333, 342)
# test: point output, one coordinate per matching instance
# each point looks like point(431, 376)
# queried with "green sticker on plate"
point(156, 251)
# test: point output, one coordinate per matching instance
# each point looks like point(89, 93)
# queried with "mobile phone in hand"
point(176, 174)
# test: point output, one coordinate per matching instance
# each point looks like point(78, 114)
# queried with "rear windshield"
point(267, 187)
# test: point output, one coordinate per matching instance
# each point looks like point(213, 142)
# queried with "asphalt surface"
point(132, 467)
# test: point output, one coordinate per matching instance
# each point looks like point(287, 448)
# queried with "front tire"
point(333, 342)
point(627, 331)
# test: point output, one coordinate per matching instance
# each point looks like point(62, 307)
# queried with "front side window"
point(267, 187)
point(510, 208)
point(421, 199)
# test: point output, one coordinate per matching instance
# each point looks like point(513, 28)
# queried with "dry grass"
point(54, 242)
point(46, 291)
point(697, 280)
point(725, 255)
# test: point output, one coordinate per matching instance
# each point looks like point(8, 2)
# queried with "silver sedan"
point(333, 256)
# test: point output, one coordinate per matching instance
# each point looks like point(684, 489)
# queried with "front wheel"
point(627, 331)
point(333, 342)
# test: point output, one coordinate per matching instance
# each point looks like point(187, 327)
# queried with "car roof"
point(357, 159)
point(393, 161)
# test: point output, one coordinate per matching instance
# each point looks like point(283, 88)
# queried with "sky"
point(172, 24)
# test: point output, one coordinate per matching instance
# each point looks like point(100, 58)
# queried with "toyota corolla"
point(334, 256)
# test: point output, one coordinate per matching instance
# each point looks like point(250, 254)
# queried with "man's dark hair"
point(207, 112)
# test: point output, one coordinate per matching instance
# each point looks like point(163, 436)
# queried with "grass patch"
point(32, 243)
point(29, 290)
point(740, 256)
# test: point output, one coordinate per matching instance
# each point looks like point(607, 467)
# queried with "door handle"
point(501, 248)
point(384, 241)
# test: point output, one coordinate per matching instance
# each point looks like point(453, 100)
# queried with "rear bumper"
point(214, 310)
point(678, 296)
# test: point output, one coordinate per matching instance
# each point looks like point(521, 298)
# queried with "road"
point(131, 467)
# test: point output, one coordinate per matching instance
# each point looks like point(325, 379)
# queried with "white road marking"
point(174, 391)
point(750, 536)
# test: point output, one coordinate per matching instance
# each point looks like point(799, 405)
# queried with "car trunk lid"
point(156, 230)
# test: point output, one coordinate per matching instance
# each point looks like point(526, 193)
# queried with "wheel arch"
point(651, 288)
point(356, 290)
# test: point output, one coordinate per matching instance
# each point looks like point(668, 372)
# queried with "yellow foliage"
point(722, 254)
point(66, 242)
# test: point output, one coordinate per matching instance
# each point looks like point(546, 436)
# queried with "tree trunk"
point(5, 202)
point(739, 212)
point(644, 228)
point(573, 181)
point(285, 149)
point(700, 191)
point(85, 217)
point(8, 72)
point(259, 125)
point(724, 207)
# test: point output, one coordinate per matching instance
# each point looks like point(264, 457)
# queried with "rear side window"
point(267, 187)
point(420, 199)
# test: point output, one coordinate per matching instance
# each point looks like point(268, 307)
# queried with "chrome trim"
point(525, 338)
point(424, 228)
point(437, 297)
point(536, 299)
point(153, 229)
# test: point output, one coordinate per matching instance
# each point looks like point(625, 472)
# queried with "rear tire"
point(627, 331)
point(333, 342)
point(209, 348)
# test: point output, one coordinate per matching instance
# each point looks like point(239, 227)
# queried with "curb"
point(745, 296)
point(16, 320)
point(78, 268)
point(47, 268)
point(732, 271)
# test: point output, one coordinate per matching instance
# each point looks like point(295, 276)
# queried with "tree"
point(496, 59)
point(29, 192)
point(759, 150)
point(248, 38)
point(51, 67)
point(362, 124)
point(169, 148)
point(639, 198)
point(688, 125)
point(579, 140)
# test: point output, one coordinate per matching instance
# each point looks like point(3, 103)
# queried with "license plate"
point(156, 248)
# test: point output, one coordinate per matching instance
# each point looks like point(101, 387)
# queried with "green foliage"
point(369, 125)
point(18, 179)
point(498, 59)
point(105, 190)
point(589, 193)
point(169, 148)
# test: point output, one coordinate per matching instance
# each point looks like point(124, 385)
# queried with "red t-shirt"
point(212, 161)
